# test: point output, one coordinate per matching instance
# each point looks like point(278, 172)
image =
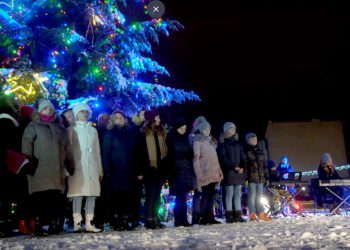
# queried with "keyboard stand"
point(288, 202)
point(343, 201)
point(336, 183)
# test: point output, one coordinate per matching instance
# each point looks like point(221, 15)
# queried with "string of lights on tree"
point(54, 48)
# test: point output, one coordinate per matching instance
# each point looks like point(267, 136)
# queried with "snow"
point(311, 232)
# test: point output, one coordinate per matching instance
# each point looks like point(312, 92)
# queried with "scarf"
point(152, 150)
point(46, 118)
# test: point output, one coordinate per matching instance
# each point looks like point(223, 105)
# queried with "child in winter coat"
point(258, 175)
point(196, 201)
point(232, 163)
point(207, 170)
point(182, 177)
point(83, 154)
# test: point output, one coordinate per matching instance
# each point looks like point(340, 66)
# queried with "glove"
point(246, 184)
point(267, 183)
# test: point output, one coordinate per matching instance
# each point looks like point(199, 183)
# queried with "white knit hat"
point(80, 107)
point(43, 104)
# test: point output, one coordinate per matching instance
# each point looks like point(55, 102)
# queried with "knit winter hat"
point(150, 115)
point(179, 123)
point(25, 112)
point(43, 104)
point(203, 126)
point(228, 125)
point(198, 121)
point(325, 158)
point(80, 107)
point(249, 135)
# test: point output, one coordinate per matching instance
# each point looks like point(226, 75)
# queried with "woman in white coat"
point(84, 165)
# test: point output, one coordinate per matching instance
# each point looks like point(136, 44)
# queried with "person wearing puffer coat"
point(196, 201)
point(43, 143)
point(182, 177)
point(232, 163)
point(207, 170)
point(257, 175)
point(84, 165)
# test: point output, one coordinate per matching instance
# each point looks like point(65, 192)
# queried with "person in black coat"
point(9, 139)
point(119, 168)
point(231, 159)
point(182, 177)
point(102, 202)
point(257, 175)
point(152, 165)
point(327, 171)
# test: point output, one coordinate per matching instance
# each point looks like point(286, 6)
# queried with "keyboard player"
point(326, 171)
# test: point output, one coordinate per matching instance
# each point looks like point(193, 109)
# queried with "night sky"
point(253, 63)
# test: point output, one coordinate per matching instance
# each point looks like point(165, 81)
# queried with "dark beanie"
point(119, 112)
point(150, 115)
point(179, 123)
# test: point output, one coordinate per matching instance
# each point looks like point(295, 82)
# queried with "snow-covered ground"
point(311, 232)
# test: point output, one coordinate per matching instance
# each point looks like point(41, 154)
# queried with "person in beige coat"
point(42, 142)
point(207, 170)
point(84, 162)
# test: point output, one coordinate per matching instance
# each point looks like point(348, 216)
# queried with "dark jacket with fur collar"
point(256, 164)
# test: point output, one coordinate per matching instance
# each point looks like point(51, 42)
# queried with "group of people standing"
point(70, 158)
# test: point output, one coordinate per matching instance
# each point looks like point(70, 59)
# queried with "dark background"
point(254, 62)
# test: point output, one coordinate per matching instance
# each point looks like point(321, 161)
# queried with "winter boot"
point(157, 222)
point(32, 224)
point(195, 218)
point(5, 229)
point(263, 217)
point(212, 220)
point(39, 231)
point(253, 217)
point(125, 223)
point(238, 216)
point(204, 221)
point(150, 224)
point(23, 227)
point(77, 218)
point(135, 224)
point(53, 228)
point(229, 216)
point(88, 226)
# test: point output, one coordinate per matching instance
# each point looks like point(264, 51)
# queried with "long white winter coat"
point(83, 155)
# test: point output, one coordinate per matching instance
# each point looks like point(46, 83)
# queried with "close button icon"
point(156, 9)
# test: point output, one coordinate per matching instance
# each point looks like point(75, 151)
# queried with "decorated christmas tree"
point(97, 50)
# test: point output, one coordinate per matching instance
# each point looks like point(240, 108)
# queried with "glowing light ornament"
point(25, 84)
point(93, 21)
